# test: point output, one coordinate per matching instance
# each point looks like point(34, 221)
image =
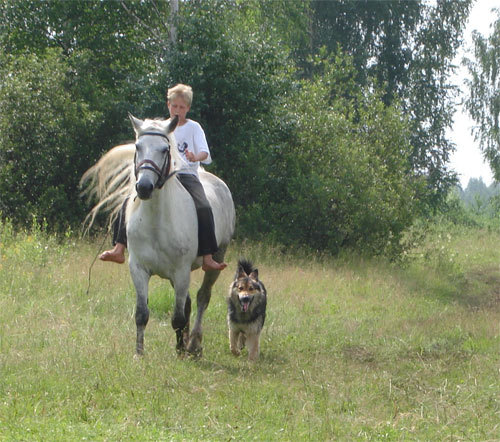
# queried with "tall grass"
point(352, 348)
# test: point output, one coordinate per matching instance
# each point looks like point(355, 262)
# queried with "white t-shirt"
point(191, 136)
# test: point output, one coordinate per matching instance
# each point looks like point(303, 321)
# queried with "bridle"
point(163, 172)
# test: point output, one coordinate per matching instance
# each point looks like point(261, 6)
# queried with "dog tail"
point(246, 265)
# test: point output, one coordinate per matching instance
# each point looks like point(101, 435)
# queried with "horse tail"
point(109, 181)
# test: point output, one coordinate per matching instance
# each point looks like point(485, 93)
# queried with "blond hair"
point(181, 91)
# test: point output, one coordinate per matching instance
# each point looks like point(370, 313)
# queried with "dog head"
point(246, 286)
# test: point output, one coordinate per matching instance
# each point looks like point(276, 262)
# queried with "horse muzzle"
point(144, 188)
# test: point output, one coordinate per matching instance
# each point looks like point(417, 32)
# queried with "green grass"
point(352, 348)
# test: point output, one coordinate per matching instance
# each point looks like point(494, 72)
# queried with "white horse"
point(162, 226)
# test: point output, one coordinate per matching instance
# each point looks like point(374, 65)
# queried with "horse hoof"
point(194, 349)
point(196, 354)
point(195, 343)
point(181, 354)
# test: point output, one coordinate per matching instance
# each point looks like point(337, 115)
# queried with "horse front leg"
point(202, 300)
point(182, 312)
point(140, 277)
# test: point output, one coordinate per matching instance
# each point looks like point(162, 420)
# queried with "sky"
point(467, 160)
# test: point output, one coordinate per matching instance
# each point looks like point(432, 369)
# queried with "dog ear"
point(255, 274)
point(240, 273)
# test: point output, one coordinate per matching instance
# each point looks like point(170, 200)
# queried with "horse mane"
point(112, 178)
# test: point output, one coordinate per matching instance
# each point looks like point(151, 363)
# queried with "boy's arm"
point(196, 157)
point(201, 144)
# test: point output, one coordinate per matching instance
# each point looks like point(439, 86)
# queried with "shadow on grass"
point(269, 362)
point(482, 289)
point(474, 288)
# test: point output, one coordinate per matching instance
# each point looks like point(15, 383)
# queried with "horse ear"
point(172, 124)
point(254, 275)
point(136, 123)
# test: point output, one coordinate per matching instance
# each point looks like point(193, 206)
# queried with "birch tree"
point(483, 101)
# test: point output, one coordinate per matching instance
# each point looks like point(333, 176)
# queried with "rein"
point(163, 172)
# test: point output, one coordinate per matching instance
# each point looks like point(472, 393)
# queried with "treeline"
point(480, 198)
point(326, 119)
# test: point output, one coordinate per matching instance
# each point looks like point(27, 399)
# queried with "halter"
point(163, 173)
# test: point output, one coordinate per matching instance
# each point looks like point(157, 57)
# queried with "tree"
point(44, 134)
point(341, 177)
point(316, 152)
point(483, 101)
point(408, 46)
point(111, 54)
point(70, 73)
point(237, 78)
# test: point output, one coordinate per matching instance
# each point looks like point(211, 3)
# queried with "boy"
point(193, 147)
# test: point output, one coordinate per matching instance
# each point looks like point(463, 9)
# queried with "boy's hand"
point(190, 156)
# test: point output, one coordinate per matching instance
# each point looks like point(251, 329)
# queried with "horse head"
point(153, 156)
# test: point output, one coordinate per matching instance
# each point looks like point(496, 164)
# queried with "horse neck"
point(162, 204)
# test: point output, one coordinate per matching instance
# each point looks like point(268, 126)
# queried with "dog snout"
point(245, 302)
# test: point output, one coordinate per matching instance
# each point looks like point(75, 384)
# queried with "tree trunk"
point(174, 9)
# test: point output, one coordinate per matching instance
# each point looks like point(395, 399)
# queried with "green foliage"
point(429, 95)
point(44, 134)
point(237, 80)
point(475, 207)
point(456, 211)
point(408, 46)
point(480, 198)
point(483, 101)
point(378, 35)
point(347, 156)
point(72, 71)
point(343, 178)
point(288, 22)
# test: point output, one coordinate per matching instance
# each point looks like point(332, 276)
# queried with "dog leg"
point(253, 346)
point(233, 342)
point(241, 341)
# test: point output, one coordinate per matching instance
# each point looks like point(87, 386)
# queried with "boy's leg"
point(207, 242)
point(117, 253)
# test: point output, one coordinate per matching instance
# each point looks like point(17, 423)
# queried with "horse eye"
point(165, 149)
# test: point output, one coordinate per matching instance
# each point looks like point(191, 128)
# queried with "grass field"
point(352, 348)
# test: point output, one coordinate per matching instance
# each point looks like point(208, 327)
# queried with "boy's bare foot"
point(210, 264)
point(117, 254)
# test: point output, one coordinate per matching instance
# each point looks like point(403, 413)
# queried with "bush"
point(44, 137)
point(342, 176)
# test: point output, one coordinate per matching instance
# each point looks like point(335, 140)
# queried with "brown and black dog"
point(246, 310)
